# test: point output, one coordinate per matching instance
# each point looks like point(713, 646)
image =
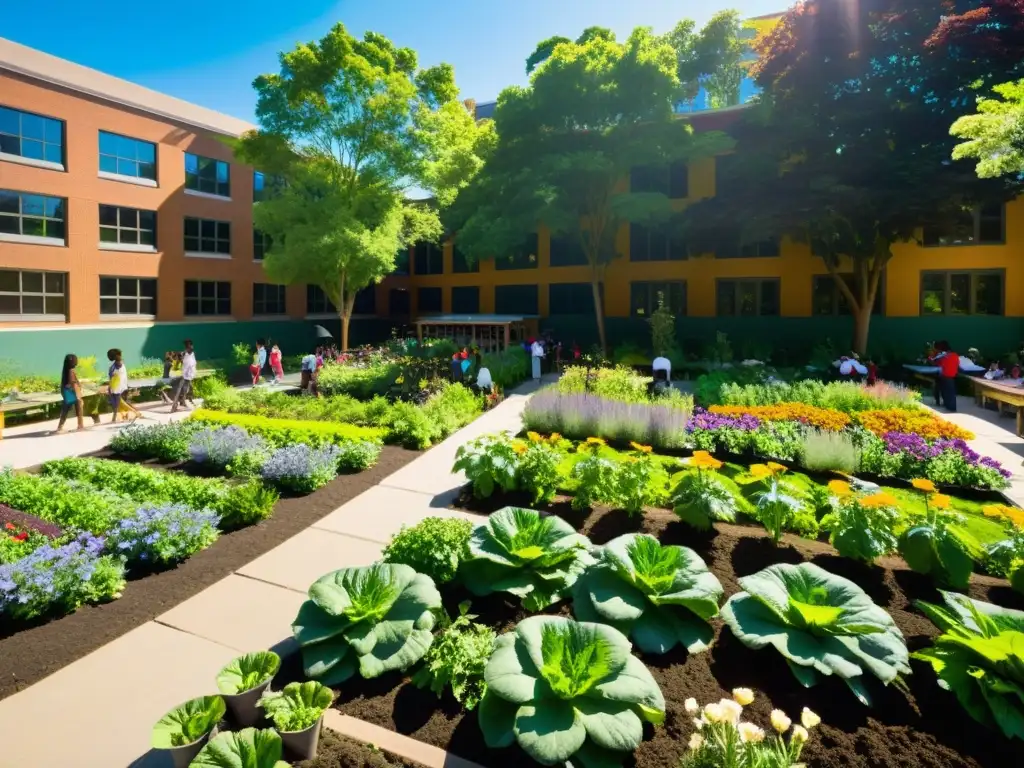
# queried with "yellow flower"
point(731, 711)
point(519, 448)
point(923, 484)
point(595, 441)
point(799, 735)
point(640, 448)
point(750, 733)
point(939, 501)
point(742, 696)
point(840, 487)
point(1014, 515)
point(809, 719)
point(774, 466)
point(704, 460)
point(555, 437)
point(780, 721)
point(534, 437)
point(760, 471)
point(879, 500)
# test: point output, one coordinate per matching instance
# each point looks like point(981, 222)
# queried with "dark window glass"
point(747, 298)
point(22, 213)
point(366, 301)
point(983, 225)
point(461, 264)
point(207, 236)
point(523, 257)
point(398, 302)
point(465, 300)
point(516, 300)
point(32, 293)
point(317, 302)
point(127, 296)
point(566, 251)
point(827, 299)
point(129, 226)
point(204, 174)
point(654, 244)
point(127, 157)
point(962, 293)
point(402, 262)
point(429, 259)
point(428, 300)
point(678, 180)
point(260, 244)
point(268, 299)
point(643, 297)
point(207, 297)
point(571, 299)
point(31, 136)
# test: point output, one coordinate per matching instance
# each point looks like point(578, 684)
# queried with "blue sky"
point(208, 53)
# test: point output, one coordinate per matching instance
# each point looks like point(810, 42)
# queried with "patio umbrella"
point(321, 332)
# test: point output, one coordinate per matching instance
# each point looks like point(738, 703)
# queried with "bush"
point(220, 446)
point(163, 534)
point(508, 367)
point(71, 505)
point(283, 432)
point(450, 408)
point(847, 397)
point(301, 468)
point(435, 546)
point(167, 442)
point(825, 451)
point(361, 383)
point(620, 383)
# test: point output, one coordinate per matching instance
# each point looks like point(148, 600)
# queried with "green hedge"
point(282, 432)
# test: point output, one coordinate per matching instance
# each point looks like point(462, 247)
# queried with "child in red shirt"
point(276, 365)
point(945, 383)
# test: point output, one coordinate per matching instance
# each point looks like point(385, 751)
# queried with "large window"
point(643, 297)
point(260, 245)
point(32, 295)
point(366, 301)
point(652, 244)
point(25, 215)
point(207, 236)
point(983, 225)
point(428, 300)
point(748, 297)
point(267, 299)
point(24, 134)
point(204, 174)
point(571, 298)
point(671, 180)
point(428, 259)
point(128, 296)
point(566, 251)
point(516, 300)
point(828, 299)
point(124, 156)
point(465, 300)
point(207, 297)
point(461, 264)
point(978, 292)
point(317, 302)
point(523, 257)
point(127, 226)
point(734, 248)
point(258, 185)
point(402, 262)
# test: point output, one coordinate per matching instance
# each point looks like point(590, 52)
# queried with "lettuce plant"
point(822, 623)
point(246, 672)
point(863, 527)
point(376, 619)
point(568, 692)
point(980, 657)
point(298, 706)
point(536, 558)
point(188, 722)
point(699, 497)
point(656, 594)
point(932, 547)
point(490, 463)
point(248, 748)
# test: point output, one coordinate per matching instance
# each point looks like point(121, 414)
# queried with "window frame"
point(116, 175)
point(198, 252)
point(433, 256)
point(460, 266)
point(138, 297)
point(568, 300)
point(670, 179)
point(315, 295)
point(433, 291)
point(21, 293)
point(536, 299)
point(878, 310)
point(460, 288)
point(116, 245)
point(574, 255)
point(259, 184)
point(269, 306)
point(218, 286)
point(261, 244)
point(977, 216)
point(675, 248)
point(972, 274)
point(652, 288)
point(197, 190)
point(43, 162)
point(20, 216)
point(737, 282)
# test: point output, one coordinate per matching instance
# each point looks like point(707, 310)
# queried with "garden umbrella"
point(321, 332)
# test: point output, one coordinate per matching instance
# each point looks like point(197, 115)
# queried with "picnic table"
point(1001, 394)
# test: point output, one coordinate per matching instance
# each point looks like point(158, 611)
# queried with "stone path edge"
point(398, 744)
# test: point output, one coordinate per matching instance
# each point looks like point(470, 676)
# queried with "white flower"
point(742, 696)
point(692, 707)
point(809, 718)
point(714, 713)
point(696, 742)
point(731, 710)
point(780, 721)
point(799, 735)
point(699, 723)
point(750, 732)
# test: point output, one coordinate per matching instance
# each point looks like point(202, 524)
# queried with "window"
point(571, 298)
point(317, 302)
point(983, 225)
point(127, 296)
point(127, 157)
point(461, 264)
point(428, 259)
point(643, 297)
point(671, 180)
point(962, 293)
point(402, 262)
point(366, 301)
point(428, 300)
point(207, 236)
point(31, 136)
point(398, 302)
point(25, 215)
point(734, 248)
point(33, 294)
point(206, 297)
point(743, 298)
point(523, 257)
point(267, 299)
point(516, 300)
point(257, 186)
point(725, 174)
point(206, 175)
point(260, 244)
point(566, 251)
point(651, 244)
point(827, 299)
point(465, 300)
point(127, 226)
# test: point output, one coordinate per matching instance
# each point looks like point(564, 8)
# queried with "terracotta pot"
point(303, 744)
point(242, 706)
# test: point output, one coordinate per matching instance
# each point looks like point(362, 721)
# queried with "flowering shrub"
point(302, 468)
point(917, 421)
point(164, 534)
point(60, 578)
point(948, 461)
point(862, 526)
point(357, 455)
point(220, 445)
point(168, 442)
point(822, 418)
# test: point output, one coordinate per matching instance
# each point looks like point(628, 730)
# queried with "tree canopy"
point(347, 128)
point(995, 135)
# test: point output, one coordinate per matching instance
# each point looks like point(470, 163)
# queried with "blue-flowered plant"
point(60, 578)
point(302, 468)
point(167, 533)
point(220, 446)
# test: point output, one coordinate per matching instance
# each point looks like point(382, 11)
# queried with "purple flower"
point(146, 533)
point(705, 420)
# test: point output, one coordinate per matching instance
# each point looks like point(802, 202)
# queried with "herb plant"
point(220, 446)
point(168, 442)
point(863, 527)
point(248, 748)
point(435, 546)
point(596, 479)
point(301, 468)
point(457, 658)
point(244, 673)
point(297, 706)
point(699, 497)
point(490, 463)
point(188, 722)
point(537, 472)
point(357, 455)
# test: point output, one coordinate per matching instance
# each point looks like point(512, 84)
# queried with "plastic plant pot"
point(181, 757)
point(303, 744)
point(242, 703)
point(242, 706)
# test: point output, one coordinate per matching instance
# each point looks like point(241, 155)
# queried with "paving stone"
point(380, 512)
point(308, 555)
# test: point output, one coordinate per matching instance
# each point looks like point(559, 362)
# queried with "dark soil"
point(923, 728)
point(30, 654)
point(337, 751)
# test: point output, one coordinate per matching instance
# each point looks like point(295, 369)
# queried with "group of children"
point(117, 391)
point(996, 372)
point(259, 362)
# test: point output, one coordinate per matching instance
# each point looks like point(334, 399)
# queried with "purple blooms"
point(167, 533)
point(301, 467)
point(219, 446)
point(923, 450)
point(705, 420)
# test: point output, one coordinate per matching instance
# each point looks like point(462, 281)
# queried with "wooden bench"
point(1001, 394)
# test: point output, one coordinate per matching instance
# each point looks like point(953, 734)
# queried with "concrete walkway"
point(107, 702)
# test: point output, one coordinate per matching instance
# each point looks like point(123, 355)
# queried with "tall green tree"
point(347, 128)
point(594, 109)
point(995, 135)
point(849, 148)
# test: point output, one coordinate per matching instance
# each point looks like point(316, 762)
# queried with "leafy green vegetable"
point(377, 618)
point(658, 595)
point(490, 463)
point(298, 706)
point(862, 531)
point(821, 623)
point(596, 479)
point(457, 657)
point(699, 497)
point(776, 508)
point(246, 672)
point(980, 657)
point(188, 722)
point(931, 547)
point(568, 691)
point(435, 546)
point(537, 558)
point(538, 472)
point(248, 748)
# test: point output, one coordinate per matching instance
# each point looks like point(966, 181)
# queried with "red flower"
point(10, 526)
point(21, 536)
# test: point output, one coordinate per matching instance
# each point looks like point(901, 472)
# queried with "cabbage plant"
point(248, 748)
point(297, 706)
point(244, 673)
point(188, 722)
point(537, 558)
point(657, 595)
point(568, 693)
point(980, 657)
point(822, 623)
point(377, 618)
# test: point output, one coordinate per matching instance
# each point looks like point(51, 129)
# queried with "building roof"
point(31, 63)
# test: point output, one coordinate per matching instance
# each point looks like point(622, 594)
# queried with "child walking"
point(276, 364)
point(71, 393)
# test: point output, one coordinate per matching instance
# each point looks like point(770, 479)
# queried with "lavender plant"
point(163, 534)
point(302, 468)
point(169, 442)
point(220, 446)
point(60, 579)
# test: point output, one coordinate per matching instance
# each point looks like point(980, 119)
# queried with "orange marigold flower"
point(879, 500)
point(641, 448)
point(774, 466)
point(924, 423)
point(595, 441)
point(923, 484)
point(1014, 515)
point(939, 501)
point(555, 437)
point(760, 471)
point(840, 487)
point(534, 437)
point(704, 460)
point(823, 418)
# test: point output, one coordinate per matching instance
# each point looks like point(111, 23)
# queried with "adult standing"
point(188, 375)
point(71, 393)
point(945, 383)
point(536, 354)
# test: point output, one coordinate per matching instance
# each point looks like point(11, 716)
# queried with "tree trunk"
point(348, 304)
point(861, 326)
point(595, 287)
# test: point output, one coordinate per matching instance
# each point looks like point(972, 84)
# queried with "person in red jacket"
point(945, 383)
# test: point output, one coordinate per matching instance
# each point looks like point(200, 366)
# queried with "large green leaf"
point(246, 672)
point(497, 718)
point(549, 730)
point(188, 722)
point(936, 552)
point(248, 748)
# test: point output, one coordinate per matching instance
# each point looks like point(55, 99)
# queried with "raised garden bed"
point(337, 751)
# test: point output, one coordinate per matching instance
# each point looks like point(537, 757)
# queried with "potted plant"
point(185, 729)
point(248, 748)
point(243, 681)
point(298, 712)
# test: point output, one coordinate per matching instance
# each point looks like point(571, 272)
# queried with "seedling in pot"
point(297, 712)
point(248, 748)
point(185, 729)
point(243, 681)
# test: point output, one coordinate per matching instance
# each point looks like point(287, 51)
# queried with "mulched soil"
point(30, 654)
point(923, 728)
point(337, 751)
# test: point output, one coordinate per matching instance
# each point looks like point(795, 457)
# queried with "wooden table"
point(1001, 394)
